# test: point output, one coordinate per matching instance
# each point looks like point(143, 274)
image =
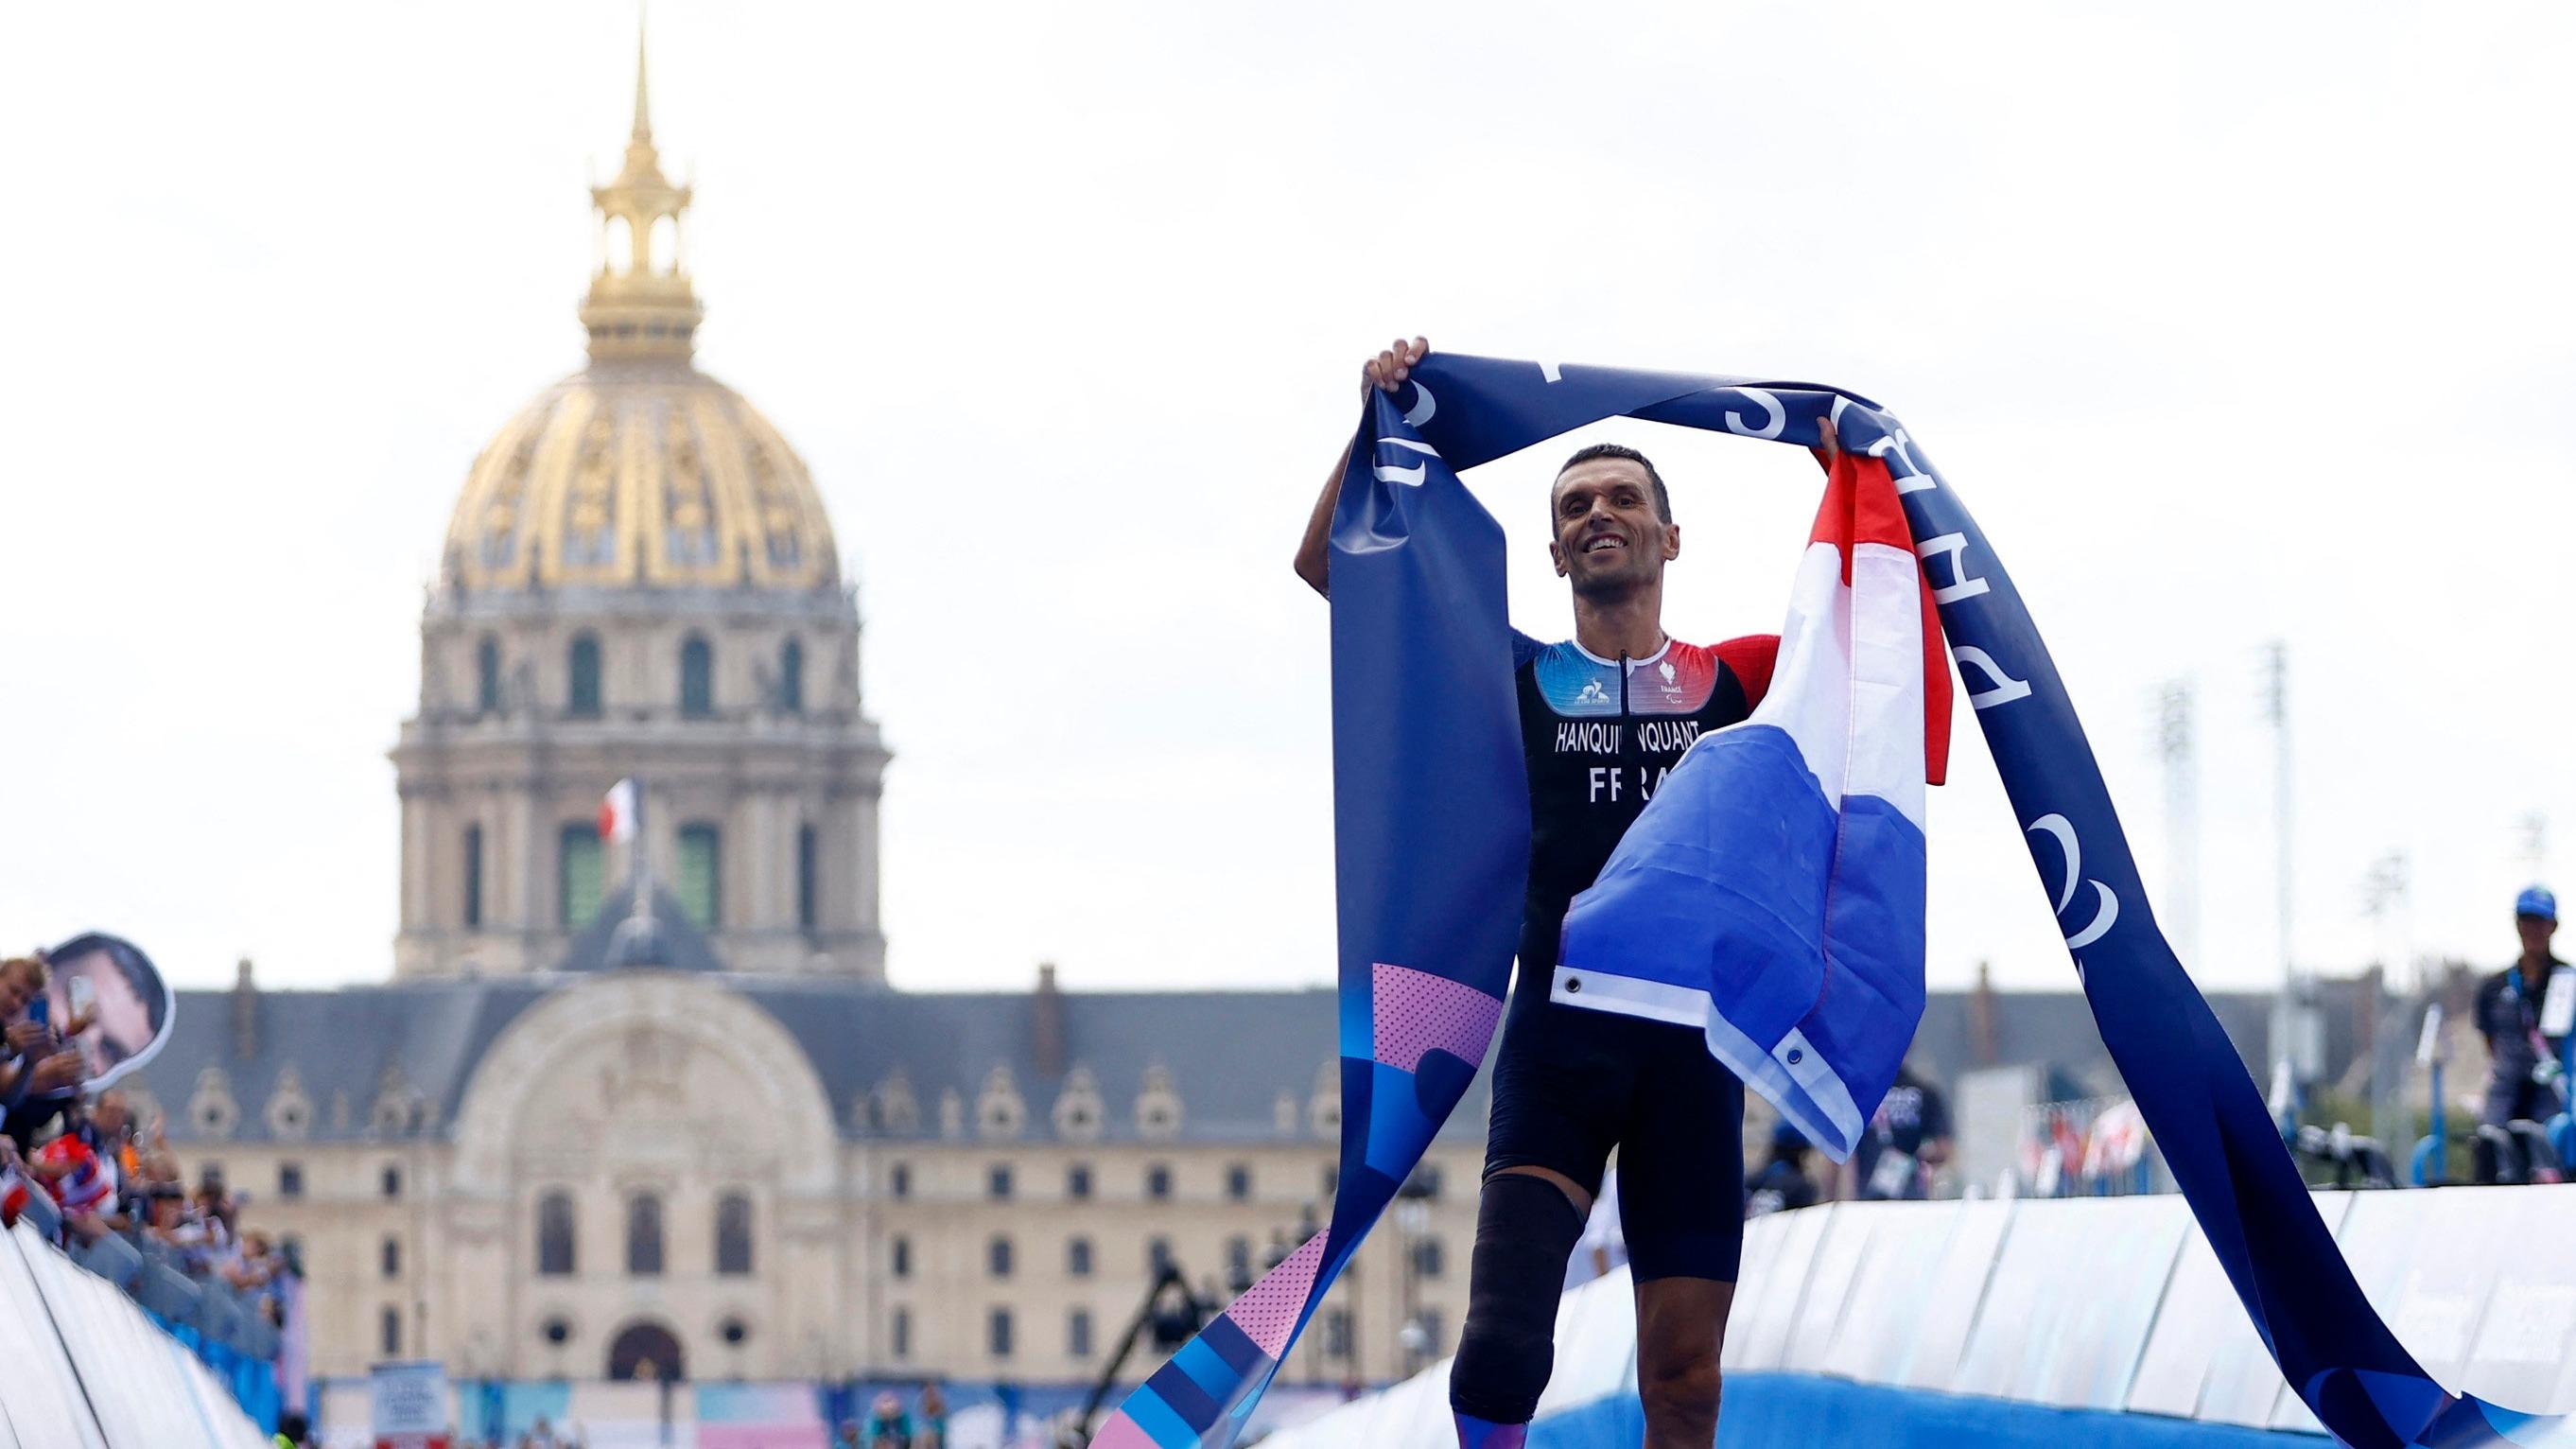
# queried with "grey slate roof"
point(1230, 1054)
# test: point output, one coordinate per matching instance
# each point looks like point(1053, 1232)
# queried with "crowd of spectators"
point(891, 1426)
point(89, 1175)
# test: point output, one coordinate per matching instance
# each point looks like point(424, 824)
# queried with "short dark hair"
point(1663, 497)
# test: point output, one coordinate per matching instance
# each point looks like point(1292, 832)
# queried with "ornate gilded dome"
point(625, 475)
point(640, 470)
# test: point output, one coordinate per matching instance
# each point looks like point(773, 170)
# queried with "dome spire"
point(643, 112)
point(641, 304)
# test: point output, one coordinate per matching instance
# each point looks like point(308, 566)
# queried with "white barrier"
point(2101, 1303)
point(87, 1370)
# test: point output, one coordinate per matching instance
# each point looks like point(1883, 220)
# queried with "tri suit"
point(1571, 1084)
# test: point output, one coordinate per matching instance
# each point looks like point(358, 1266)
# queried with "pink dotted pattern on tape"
point(1121, 1433)
point(1267, 1311)
point(1416, 1011)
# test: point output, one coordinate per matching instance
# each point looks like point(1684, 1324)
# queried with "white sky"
point(2231, 322)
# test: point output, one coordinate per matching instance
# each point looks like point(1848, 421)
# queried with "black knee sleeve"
point(1525, 1228)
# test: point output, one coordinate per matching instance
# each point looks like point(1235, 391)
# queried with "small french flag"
point(618, 812)
point(1771, 894)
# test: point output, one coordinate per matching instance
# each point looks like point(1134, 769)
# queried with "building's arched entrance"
point(645, 1351)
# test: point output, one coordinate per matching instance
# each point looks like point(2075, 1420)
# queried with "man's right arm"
point(1386, 372)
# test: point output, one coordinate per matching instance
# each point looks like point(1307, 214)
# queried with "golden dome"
point(626, 475)
point(640, 470)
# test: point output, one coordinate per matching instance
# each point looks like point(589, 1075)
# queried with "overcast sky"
point(2233, 323)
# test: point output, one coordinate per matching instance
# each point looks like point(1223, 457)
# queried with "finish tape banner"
point(1431, 814)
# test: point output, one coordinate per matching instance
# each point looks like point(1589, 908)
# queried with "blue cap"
point(2536, 901)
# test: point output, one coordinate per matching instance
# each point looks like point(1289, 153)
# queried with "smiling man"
point(1604, 716)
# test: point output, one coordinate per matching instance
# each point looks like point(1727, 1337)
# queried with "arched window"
point(473, 875)
point(791, 676)
point(584, 664)
point(578, 874)
point(697, 677)
point(487, 675)
point(644, 1236)
point(554, 1235)
point(809, 879)
point(620, 243)
point(701, 883)
point(733, 1233)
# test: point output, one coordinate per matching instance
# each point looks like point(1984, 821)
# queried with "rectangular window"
point(1158, 1256)
point(389, 1262)
point(701, 883)
point(1158, 1183)
point(1077, 1257)
point(809, 879)
point(997, 1183)
point(1337, 1333)
point(389, 1332)
point(997, 1333)
point(579, 875)
point(899, 1254)
point(899, 1333)
point(1238, 1182)
point(392, 1182)
point(473, 875)
point(1077, 1182)
point(899, 1181)
point(1077, 1333)
point(998, 1257)
point(290, 1179)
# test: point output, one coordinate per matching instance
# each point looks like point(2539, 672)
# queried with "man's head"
point(21, 977)
point(109, 1116)
point(2535, 919)
point(1611, 521)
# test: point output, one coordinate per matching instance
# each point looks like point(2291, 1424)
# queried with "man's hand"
point(62, 1069)
point(1387, 371)
point(26, 1036)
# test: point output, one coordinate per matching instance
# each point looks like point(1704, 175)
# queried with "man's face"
point(2535, 932)
point(109, 1114)
point(1609, 538)
point(17, 988)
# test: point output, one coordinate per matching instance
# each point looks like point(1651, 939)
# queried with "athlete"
point(1603, 716)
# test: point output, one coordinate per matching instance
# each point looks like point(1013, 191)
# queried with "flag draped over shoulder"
point(1771, 894)
point(1431, 813)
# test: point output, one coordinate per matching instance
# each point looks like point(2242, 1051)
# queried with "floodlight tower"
point(2182, 819)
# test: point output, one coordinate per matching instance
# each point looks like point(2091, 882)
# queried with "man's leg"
point(1527, 1221)
point(1680, 1324)
point(1681, 1206)
point(1554, 1113)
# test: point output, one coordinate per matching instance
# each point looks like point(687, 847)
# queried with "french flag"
point(1771, 893)
point(619, 811)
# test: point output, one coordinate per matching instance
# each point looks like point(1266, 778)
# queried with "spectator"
point(849, 1436)
point(934, 1419)
point(2523, 1082)
point(889, 1427)
point(1783, 1182)
point(37, 1072)
point(1909, 1136)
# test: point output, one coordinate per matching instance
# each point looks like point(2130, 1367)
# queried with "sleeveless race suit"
point(1571, 1084)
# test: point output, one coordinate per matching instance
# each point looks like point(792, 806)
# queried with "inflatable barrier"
point(2105, 1321)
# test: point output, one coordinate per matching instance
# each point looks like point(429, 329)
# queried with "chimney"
point(245, 1012)
point(1981, 1016)
point(1046, 1024)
